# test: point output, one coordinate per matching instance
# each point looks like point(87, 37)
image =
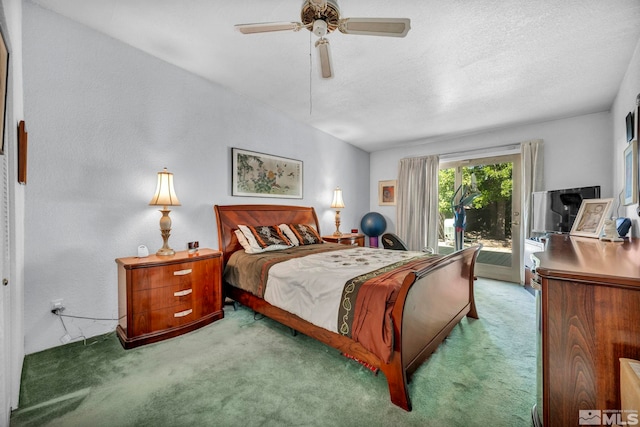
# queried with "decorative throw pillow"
point(287, 232)
point(305, 234)
point(243, 241)
point(264, 238)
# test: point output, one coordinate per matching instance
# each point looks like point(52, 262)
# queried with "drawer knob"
point(183, 313)
point(182, 293)
point(182, 272)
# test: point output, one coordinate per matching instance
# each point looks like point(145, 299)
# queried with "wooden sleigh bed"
point(429, 304)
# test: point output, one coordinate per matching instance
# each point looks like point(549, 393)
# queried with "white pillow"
point(243, 241)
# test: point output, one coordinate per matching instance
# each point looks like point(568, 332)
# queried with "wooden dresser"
point(352, 239)
point(590, 317)
point(161, 297)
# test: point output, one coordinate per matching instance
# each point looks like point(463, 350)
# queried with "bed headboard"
point(229, 216)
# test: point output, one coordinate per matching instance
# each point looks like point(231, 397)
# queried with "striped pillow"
point(304, 234)
point(264, 238)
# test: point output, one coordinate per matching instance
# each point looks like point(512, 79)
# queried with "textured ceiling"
point(464, 67)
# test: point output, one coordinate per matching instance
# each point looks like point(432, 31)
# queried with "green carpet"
point(245, 372)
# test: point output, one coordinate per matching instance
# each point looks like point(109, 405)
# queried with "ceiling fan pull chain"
point(310, 77)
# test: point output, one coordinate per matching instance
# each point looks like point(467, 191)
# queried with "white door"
point(492, 217)
point(5, 309)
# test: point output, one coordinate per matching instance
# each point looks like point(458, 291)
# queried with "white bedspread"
point(311, 286)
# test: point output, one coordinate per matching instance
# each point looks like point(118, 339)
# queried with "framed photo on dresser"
point(590, 218)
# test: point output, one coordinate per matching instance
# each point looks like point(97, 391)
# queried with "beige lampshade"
point(165, 194)
point(337, 202)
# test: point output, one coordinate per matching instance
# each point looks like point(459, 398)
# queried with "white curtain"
point(417, 203)
point(532, 158)
point(532, 155)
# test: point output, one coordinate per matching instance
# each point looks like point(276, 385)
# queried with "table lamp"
point(337, 204)
point(165, 196)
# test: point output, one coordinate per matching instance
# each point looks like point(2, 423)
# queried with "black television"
point(555, 211)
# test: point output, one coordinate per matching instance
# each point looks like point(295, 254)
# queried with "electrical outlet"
point(56, 305)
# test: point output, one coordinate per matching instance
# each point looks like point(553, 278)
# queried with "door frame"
point(508, 274)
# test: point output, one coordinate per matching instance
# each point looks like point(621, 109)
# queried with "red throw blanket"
point(367, 302)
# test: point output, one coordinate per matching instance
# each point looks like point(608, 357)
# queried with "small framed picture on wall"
point(387, 193)
point(631, 173)
point(637, 135)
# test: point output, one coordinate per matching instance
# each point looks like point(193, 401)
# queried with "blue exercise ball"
point(373, 224)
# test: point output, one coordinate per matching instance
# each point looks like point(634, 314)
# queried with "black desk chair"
point(392, 241)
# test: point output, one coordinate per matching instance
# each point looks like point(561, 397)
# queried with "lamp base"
point(165, 251)
point(337, 233)
point(165, 230)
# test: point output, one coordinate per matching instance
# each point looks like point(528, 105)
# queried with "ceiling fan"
point(322, 17)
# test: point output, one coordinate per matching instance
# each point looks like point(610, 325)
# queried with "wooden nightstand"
point(160, 297)
point(346, 239)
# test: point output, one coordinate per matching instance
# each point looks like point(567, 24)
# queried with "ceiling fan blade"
point(326, 69)
point(267, 27)
point(390, 27)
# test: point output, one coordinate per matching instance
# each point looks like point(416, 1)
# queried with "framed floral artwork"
point(264, 175)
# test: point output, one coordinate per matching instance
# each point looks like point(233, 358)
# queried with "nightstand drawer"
point(157, 298)
point(157, 320)
point(182, 274)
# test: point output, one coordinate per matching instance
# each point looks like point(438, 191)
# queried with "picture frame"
point(387, 192)
point(631, 173)
point(4, 78)
point(22, 153)
point(590, 218)
point(256, 174)
point(630, 123)
point(638, 136)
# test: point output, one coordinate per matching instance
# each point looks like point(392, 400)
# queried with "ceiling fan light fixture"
point(319, 28)
point(327, 12)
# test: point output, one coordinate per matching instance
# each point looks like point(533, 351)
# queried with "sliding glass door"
point(489, 189)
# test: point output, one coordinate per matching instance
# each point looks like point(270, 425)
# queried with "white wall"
point(577, 153)
point(103, 119)
point(625, 103)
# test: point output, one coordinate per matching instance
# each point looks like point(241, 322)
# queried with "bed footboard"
point(430, 304)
